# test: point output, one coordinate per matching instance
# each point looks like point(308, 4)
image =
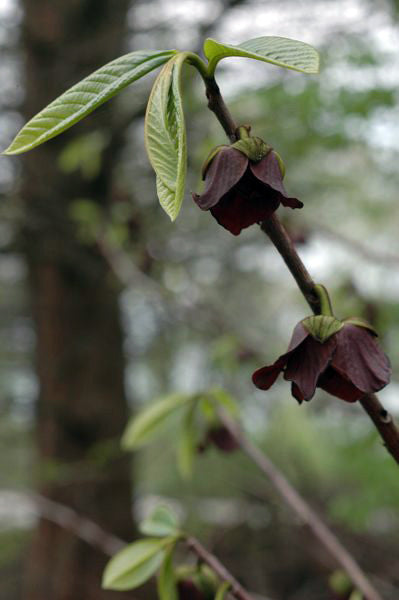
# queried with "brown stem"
point(279, 237)
point(383, 422)
point(303, 510)
point(216, 104)
point(277, 234)
point(236, 589)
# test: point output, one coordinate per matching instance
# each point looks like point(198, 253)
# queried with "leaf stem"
point(325, 301)
point(197, 62)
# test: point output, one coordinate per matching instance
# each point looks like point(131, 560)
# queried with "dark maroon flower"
point(221, 437)
point(342, 358)
point(239, 191)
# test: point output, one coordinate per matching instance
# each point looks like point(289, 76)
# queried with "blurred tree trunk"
point(81, 408)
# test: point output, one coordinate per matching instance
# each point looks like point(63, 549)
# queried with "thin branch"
point(88, 531)
point(297, 503)
point(236, 589)
point(289, 494)
point(82, 527)
point(383, 422)
point(279, 237)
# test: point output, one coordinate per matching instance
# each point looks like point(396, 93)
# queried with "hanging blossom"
point(244, 184)
point(341, 357)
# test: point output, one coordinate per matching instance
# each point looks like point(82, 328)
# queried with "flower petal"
point(268, 171)
point(225, 170)
point(296, 393)
point(241, 208)
point(307, 363)
point(264, 377)
point(359, 358)
point(298, 336)
point(335, 384)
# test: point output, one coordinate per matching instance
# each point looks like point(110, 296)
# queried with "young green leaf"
point(162, 522)
point(187, 444)
point(136, 563)
point(225, 400)
point(279, 51)
point(84, 97)
point(149, 423)
point(166, 583)
point(222, 590)
point(165, 136)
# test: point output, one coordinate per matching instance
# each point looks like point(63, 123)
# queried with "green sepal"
point(207, 581)
point(210, 158)
point(322, 327)
point(222, 590)
point(359, 322)
point(254, 148)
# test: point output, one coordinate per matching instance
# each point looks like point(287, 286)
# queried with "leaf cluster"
point(165, 131)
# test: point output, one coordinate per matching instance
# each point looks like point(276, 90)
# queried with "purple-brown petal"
point(225, 170)
point(298, 336)
point(268, 171)
point(264, 377)
point(335, 384)
point(359, 358)
point(223, 439)
point(242, 207)
point(307, 363)
point(296, 393)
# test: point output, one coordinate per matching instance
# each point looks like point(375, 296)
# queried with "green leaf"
point(187, 446)
point(225, 399)
point(147, 425)
point(84, 152)
point(134, 564)
point(84, 97)
point(222, 590)
point(165, 136)
point(167, 589)
point(162, 522)
point(279, 51)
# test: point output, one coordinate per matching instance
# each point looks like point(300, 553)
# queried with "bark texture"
point(81, 408)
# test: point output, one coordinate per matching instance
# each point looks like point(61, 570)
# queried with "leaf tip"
point(106, 583)
point(9, 151)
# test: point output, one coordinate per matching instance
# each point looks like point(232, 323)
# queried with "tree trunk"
point(81, 409)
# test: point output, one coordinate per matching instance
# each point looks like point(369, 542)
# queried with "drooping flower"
point(341, 357)
point(220, 437)
point(243, 184)
point(187, 590)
